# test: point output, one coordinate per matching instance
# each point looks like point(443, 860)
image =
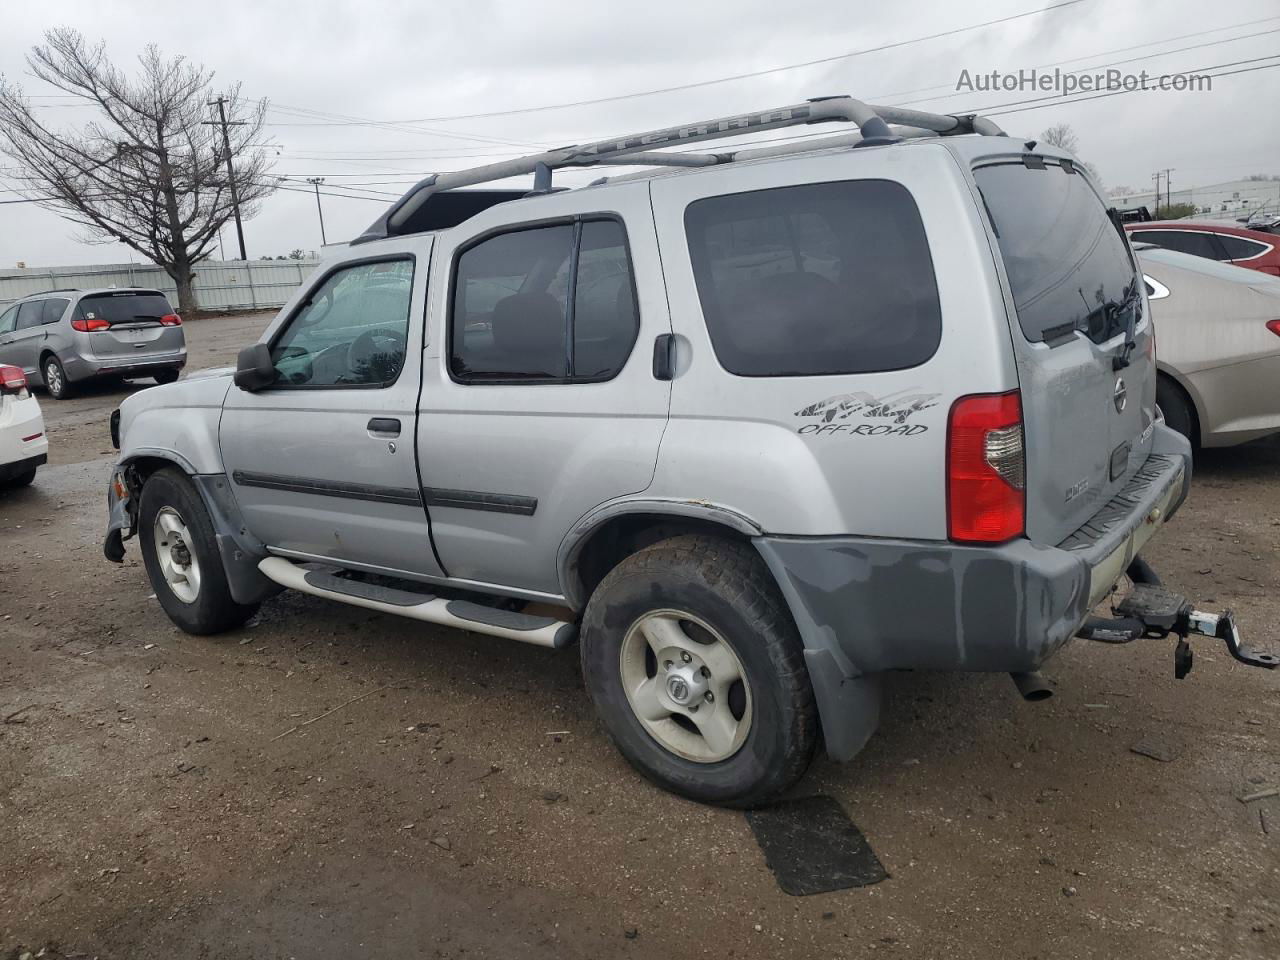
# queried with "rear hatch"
point(139, 324)
point(1088, 400)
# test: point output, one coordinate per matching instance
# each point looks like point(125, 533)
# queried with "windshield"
point(1069, 267)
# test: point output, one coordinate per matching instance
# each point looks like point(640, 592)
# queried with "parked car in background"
point(63, 337)
point(1212, 241)
point(1264, 222)
point(1218, 347)
point(23, 444)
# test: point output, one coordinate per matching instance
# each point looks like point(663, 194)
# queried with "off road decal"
point(886, 416)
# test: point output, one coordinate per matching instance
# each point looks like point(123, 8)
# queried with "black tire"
point(725, 584)
point(166, 376)
point(1175, 406)
point(212, 610)
point(55, 379)
point(19, 480)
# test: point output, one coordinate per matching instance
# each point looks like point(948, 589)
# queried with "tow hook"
point(1152, 611)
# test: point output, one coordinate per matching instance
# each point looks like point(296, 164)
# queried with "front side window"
point(1240, 248)
point(818, 279)
point(551, 304)
point(351, 331)
point(29, 314)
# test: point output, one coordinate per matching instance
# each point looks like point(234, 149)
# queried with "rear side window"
point(1068, 264)
point(817, 279)
point(53, 309)
point(552, 304)
point(125, 307)
point(1240, 248)
point(1184, 241)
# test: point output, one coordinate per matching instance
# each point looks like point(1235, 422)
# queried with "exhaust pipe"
point(1032, 686)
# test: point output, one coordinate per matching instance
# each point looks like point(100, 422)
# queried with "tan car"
point(1217, 346)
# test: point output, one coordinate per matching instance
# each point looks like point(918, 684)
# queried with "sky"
point(356, 86)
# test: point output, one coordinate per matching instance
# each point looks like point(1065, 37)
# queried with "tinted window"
point(53, 310)
point(125, 307)
point(29, 314)
point(825, 278)
point(351, 331)
point(513, 317)
point(1184, 241)
point(1240, 248)
point(1069, 267)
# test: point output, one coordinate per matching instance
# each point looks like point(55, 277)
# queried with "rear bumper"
point(82, 368)
point(863, 606)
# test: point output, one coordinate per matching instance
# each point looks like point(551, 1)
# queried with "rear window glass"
point(1240, 248)
point(817, 279)
point(125, 307)
point(1069, 268)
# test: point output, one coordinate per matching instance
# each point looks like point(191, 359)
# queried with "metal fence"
point(222, 285)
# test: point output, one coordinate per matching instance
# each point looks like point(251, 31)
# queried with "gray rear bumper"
point(864, 606)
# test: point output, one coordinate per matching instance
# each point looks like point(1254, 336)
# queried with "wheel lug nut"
point(685, 657)
point(667, 665)
point(704, 671)
point(709, 697)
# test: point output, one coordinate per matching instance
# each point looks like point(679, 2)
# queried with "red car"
point(1214, 241)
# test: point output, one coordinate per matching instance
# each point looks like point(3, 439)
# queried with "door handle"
point(384, 427)
point(664, 356)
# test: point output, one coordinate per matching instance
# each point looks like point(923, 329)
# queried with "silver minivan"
point(754, 429)
point(63, 337)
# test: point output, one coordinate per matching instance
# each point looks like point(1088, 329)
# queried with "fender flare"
point(582, 531)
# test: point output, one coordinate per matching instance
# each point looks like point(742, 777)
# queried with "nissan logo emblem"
point(1121, 396)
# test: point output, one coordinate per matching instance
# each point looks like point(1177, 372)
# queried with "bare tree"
point(151, 172)
point(1062, 136)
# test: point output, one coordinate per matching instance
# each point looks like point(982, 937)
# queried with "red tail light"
point(171, 320)
point(986, 469)
point(1274, 327)
point(12, 379)
point(89, 324)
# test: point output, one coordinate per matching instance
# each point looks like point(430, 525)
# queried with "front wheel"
point(181, 555)
point(697, 672)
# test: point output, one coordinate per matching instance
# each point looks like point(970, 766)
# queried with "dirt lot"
point(149, 806)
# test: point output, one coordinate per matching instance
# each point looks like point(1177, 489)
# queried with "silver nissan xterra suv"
point(753, 428)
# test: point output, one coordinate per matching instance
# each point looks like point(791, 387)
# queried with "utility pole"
point(315, 182)
point(221, 103)
point(1168, 182)
point(1156, 177)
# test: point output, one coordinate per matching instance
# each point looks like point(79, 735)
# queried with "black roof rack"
point(425, 207)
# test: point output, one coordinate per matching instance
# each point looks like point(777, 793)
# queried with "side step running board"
point(542, 631)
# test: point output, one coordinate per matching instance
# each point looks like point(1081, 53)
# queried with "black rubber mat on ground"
point(812, 846)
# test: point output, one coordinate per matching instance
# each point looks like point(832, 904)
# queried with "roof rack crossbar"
point(632, 149)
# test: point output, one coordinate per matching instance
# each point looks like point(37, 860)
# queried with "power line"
point(718, 80)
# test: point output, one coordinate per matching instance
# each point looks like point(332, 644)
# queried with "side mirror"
point(254, 369)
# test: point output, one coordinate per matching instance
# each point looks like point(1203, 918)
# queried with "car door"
point(322, 462)
point(23, 344)
point(8, 319)
point(539, 398)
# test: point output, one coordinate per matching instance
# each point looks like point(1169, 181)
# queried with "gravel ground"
point(467, 803)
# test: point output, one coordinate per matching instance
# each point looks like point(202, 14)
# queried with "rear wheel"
point(1175, 406)
point(166, 376)
point(697, 672)
point(55, 378)
point(181, 555)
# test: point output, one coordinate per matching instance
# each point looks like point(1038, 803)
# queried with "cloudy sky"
point(372, 95)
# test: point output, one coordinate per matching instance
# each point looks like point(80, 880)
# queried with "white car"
point(23, 444)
